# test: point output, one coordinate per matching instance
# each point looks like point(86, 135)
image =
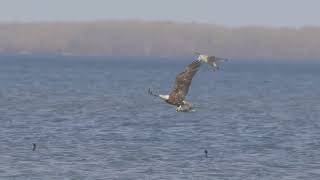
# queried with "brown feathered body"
point(182, 85)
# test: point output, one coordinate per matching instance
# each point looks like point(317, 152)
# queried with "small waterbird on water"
point(34, 146)
point(183, 82)
point(206, 153)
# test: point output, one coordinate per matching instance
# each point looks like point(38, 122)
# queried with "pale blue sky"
point(226, 12)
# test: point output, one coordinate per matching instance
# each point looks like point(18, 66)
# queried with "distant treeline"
point(159, 39)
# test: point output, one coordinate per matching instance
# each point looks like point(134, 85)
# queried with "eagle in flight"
point(183, 81)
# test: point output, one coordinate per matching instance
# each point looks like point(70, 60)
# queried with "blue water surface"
point(91, 118)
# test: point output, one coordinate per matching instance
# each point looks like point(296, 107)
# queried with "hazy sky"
point(225, 12)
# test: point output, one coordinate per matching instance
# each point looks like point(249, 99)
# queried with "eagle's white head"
point(203, 58)
point(164, 97)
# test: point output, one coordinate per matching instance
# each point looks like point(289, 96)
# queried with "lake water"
point(91, 118)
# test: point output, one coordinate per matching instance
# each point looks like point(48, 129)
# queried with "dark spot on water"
point(206, 153)
point(34, 146)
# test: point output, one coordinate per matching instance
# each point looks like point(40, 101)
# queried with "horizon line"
point(22, 22)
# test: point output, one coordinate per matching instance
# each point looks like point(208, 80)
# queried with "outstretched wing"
point(183, 82)
point(213, 61)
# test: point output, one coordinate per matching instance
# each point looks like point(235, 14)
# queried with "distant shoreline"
point(48, 56)
point(165, 39)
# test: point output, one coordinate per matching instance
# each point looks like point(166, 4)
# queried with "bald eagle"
point(183, 82)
